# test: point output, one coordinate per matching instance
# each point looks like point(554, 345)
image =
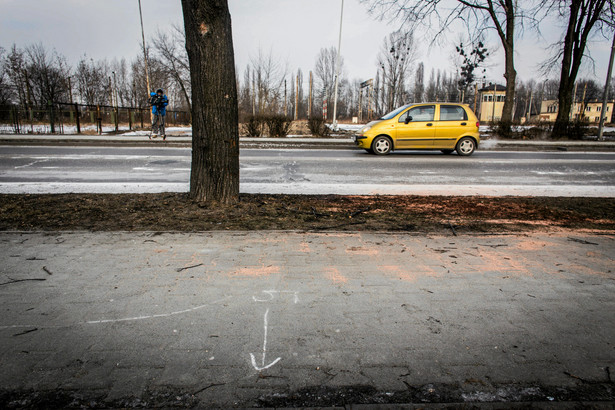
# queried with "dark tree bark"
point(582, 18)
point(215, 135)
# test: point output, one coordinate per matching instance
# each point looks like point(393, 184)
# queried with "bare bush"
point(278, 125)
point(254, 126)
point(318, 127)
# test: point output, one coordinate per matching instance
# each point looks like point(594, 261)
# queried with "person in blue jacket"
point(159, 102)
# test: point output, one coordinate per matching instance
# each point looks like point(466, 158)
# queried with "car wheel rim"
point(382, 146)
point(466, 146)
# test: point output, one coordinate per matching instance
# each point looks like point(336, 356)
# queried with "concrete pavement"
point(295, 319)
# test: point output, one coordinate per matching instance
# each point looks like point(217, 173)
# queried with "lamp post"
point(605, 96)
point(337, 70)
point(145, 58)
point(114, 93)
point(70, 89)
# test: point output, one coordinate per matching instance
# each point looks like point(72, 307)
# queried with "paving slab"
point(244, 319)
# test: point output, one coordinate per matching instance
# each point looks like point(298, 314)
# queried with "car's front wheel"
point(382, 145)
point(466, 146)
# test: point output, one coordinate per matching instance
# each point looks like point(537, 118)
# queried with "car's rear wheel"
point(382, 145)
point(447, 151)
point(466, 146)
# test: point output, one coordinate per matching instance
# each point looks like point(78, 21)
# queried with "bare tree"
point(91, 77)
point(215, 131)
point(419, 83)
point(478, 15)
point(471, 62)
point(48, 72)
point(395, 59)
point(15, 67)
point(4, 80)
point(171, 51)
point(324, 70)
point(268, 75)
point(584, 18)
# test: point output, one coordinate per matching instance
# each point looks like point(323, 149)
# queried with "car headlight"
point(364, 130)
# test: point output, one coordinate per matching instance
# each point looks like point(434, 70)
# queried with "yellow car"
point(446, 127)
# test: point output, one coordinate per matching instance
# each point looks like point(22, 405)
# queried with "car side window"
point(421, 113)
point(452, 113)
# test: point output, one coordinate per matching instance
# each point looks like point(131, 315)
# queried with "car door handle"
point(429, 124)
point(464, 123)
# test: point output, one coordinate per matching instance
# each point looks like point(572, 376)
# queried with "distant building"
point(589, 111)
point(492, 100)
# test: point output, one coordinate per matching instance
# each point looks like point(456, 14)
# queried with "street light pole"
point(605, 96)
point(145, 57)
point(337, 70)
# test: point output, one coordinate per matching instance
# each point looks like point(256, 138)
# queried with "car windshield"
point(393, 114)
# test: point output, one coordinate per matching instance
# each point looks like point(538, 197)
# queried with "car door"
point(452, 123)
point(415, 128)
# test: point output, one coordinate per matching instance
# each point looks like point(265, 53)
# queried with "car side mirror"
point(408, 119)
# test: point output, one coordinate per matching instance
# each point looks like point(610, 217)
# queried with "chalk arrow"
point(253, 359)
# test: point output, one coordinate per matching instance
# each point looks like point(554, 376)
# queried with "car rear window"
point(452, 113)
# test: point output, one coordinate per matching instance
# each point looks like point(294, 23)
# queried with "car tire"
point(447, 151)
point(382, 145)
point(466, 146)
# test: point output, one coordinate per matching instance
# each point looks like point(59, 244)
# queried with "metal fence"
point(64, 118)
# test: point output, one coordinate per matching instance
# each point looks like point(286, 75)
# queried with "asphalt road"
point(32, 169)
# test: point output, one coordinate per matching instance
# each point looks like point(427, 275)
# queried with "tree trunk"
point(215, 135)
point(511, 78)
point(568, 75)
point(510, 74)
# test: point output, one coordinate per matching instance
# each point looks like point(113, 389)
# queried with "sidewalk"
point(346, 142)
point(275, 319)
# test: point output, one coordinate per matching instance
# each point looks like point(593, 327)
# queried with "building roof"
point(490, 87)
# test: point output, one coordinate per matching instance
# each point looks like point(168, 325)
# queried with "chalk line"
point(179, 312)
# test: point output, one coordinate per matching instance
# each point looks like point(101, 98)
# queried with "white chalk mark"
point(253, 359)
point(267, 292)
point(179, 312)
point(271, 295)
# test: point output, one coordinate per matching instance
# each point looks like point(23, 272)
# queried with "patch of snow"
point(314, 188)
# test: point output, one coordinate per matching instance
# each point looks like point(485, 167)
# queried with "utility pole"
point(582, 114)
point(574, 101)
point(297, 99)
point(495, 87)
point(337, 70)
point(285, 110)
point(116, 102)
point(529, 108)
point(70, 90)
point(360, 105)
point(310, 97)
point(605, 96)
point(475, 98)
point(145, 58)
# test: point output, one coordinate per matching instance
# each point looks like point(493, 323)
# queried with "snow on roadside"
point(315, 189)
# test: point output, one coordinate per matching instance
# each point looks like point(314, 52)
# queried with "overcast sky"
point(292, 30)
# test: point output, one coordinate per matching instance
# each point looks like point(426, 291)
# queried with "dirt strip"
point(177, 212)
